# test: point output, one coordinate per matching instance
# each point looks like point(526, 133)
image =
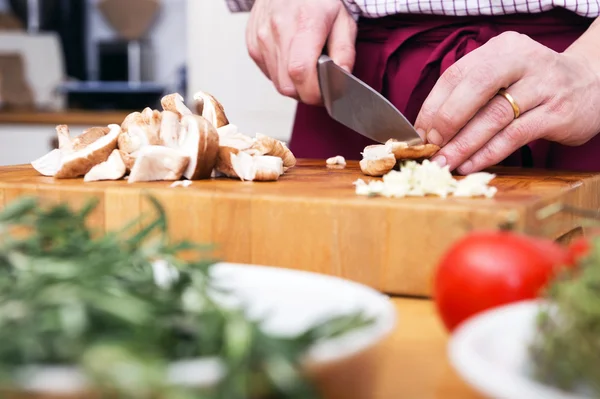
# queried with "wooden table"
point(66, 117)
point(415, 364)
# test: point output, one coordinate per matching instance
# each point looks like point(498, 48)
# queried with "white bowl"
point(289, 301)
point(490, 352)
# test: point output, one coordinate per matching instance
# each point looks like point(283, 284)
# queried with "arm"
point(246, 5)
point(588, 46)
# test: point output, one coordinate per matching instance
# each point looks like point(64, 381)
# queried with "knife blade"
point(354, 104)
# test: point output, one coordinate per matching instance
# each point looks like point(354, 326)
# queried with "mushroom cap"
point(78, 163)
point(200, 141)
point(211, 109)
point(378, 167)
point(111, 169)
point(88, 137)
point(156, 162)
point(132, 117)
point(402, 151)
point(269, 146)
point(223, 165)
point(175, 103)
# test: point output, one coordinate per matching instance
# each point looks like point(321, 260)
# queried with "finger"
point(473, 92)
point(267, 48)
point(253, 48)
point(342, 40)
point(282, 28)
point(473, 62)
point(496, 115)
point(518, 133)
point(305, 49)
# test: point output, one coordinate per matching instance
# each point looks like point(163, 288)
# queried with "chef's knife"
point(354, 104)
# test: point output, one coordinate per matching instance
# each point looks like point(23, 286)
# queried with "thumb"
point(342, 40)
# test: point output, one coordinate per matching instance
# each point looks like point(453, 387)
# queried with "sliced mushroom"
point(223, 166)
point(156, 162)
point(111, 169)
point(175, 103)
point(152, 120)
point(88, 137)
point(256, 168)
point(377, 160)
point(402, 151)
point(169, 129)
point(76, 163)
point(134, 116)
point(200, 141)
point(337, 162)
point(208, 106)
point(48, 164)
point(269, 146)
point(138, 134)
point(128, 159)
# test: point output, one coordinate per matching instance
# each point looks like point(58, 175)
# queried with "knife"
point(354, 104)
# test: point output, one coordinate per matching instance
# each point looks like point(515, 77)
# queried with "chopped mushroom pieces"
point(428, 178)
point(167, 144)
point(337, 162)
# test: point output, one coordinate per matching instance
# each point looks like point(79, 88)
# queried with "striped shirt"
point(380, 8)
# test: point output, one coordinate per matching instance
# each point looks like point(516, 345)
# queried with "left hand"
point(558, 95)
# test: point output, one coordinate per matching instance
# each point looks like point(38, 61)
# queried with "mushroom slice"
point(77, 163)
point(48, 164)
point(175, 103)
point(88, 137)
point(111, 169)
point(208, 106)
point(169, 129)
point(257, 167)
point(228, 130)
point(64, 138)
point(269, 146)
point(128, 159)
point(403, 151)
point(138, 134)
point(152, 120)
point(223, 166)
point(377, 160)
point(132, 117)
point(200, 141)
point(156, 162)
point(337, 162)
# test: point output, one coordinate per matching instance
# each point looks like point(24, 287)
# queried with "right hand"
point(285, 38)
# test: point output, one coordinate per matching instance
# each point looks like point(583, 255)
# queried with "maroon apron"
point(402, 56)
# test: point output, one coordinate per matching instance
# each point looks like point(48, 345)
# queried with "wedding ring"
point(511, 100)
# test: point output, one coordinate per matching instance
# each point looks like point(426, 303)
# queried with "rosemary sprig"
point(566, 348)
point(73, 296)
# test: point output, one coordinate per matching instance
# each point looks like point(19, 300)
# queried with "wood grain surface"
point(312, 219)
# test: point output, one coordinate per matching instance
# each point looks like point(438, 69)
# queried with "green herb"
point(73, 296)
point(566, 348)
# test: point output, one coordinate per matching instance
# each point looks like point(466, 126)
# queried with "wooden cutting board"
point(312, 219)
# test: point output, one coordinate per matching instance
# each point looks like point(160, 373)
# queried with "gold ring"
point(511, 100)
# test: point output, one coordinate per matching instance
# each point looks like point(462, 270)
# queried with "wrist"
point(587, 47)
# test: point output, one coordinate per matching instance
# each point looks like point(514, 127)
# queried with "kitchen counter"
point(68, 117)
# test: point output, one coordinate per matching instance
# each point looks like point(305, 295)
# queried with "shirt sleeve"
point(356, 8)
point(239, 5)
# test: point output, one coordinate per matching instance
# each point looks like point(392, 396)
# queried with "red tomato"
point(492, 268)
point(579, 248)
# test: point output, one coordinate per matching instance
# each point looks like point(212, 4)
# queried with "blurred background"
point(91, 62)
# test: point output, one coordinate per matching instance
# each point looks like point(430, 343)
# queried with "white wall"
point(167, 35)
point(218, 63)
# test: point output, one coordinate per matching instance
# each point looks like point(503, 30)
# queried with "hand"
point(285, 38)
point(558, 95)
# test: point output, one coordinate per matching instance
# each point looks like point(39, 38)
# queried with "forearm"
point(588, 46)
